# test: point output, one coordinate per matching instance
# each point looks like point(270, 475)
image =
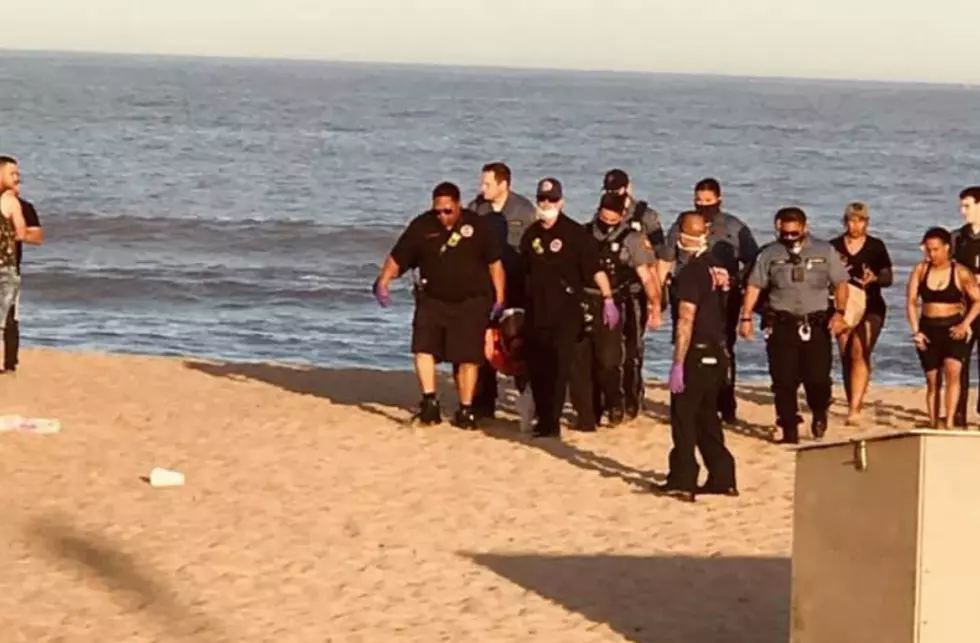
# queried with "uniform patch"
point(636, 225)
point(537, 246)
point(466, 231)
point(555, 245)
point(614, 247)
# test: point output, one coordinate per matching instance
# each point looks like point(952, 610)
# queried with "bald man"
point(699, 370)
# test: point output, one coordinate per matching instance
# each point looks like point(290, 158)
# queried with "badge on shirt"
point(453, 240)
point(636, 225)
point(555, 245)
point(536, 244)
point(466, 231)
point(614, 247)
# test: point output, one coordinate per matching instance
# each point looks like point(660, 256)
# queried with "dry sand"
point(312, 513)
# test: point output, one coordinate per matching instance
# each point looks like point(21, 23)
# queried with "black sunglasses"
point(548, 200)
point(443, 211)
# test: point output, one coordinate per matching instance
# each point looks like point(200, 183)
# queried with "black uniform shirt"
point(695, 285)
point(453, 262)
point(561, 262)
point(966, 248)
point(30, 221)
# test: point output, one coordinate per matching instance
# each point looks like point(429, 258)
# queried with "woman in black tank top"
point(950, 302)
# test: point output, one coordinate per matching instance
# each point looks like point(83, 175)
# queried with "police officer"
point(462, 285)
point(798, 272)
point(510, 214)
point(561, 261)
point(699, 369)
point(641, 217)
point(626, 256)
point(734, 248)
point(966, 252)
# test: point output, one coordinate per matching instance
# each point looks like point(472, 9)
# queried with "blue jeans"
point(9, 288)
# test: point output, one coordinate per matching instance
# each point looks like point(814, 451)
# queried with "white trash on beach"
point(160, 477)
point(41, 426)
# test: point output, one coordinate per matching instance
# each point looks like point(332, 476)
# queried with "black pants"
point(549, 352)
point(727, 403)
point(793, 361)
point(694, 422)
point(11, 341)
point(596, 376)
point(965, 379)
point(634, 327)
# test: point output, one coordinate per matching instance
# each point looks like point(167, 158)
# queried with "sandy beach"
point(313, 513)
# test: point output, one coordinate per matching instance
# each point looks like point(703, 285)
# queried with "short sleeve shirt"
point(695, 285)
point(800, 284)
point(872, 256)
point(453, 263)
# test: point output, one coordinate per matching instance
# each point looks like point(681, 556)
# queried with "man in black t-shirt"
point(699, 370)
point(966, 252)
point(34, 235)
point(457, 254)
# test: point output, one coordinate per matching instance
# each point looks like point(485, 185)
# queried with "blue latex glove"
point(610, 314)
point(496, 311)
point(381, 294)
point(676, 381)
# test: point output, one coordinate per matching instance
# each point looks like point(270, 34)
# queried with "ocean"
point(240, 209)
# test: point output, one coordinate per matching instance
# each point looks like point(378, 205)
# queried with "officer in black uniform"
point(734, 248)
point(561, 260)
point(966, 252)
point(642, 218)
point(626, 256)
point(462, 285)
point(510, 214)
point(699, 370)
point(798, 272)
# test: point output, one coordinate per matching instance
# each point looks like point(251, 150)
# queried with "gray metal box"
point(886, 542)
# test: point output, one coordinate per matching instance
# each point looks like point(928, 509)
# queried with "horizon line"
point(483, 67)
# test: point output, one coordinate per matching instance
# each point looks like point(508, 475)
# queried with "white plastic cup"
point(166, 478)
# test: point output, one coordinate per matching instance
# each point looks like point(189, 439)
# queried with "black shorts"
point(451, 331)
point(941, 346)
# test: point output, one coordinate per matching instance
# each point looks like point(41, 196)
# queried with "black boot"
point(429, 412)
point(464, 418)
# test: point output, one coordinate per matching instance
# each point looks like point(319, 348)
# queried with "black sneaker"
point(714, 490)
point(464, 419)
point(819, 427)
point(616, 417)
point(632, 414)
point(671, 490)
point(429, 412)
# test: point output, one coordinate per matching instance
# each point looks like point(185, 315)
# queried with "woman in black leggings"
point(950, 303)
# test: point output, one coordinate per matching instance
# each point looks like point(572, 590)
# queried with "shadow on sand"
point(131, 583)
point(661, 599)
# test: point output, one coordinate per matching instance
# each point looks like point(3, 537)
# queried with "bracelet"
point(745, 319)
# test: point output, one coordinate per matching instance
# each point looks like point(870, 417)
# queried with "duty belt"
point(804, 323)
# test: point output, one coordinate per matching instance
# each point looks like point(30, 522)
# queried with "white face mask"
point(547, 214)
point(696, 245)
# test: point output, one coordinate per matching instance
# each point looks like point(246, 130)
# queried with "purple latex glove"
point(381, 294)
point(496, 311)
point(610, 314)
point(676, 381)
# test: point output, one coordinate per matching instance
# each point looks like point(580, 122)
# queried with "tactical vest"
point(614, 258)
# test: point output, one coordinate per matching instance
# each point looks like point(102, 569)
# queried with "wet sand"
point(313, 513)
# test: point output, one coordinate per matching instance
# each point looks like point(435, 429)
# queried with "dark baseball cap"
point(549, 189)
point(615, 180)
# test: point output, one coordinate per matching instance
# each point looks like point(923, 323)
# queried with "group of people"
point(520, 288)
point(19, 224)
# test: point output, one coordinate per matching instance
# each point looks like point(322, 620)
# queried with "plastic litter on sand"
point(41, 426)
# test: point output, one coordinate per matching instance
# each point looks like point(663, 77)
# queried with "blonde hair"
point(856, 209)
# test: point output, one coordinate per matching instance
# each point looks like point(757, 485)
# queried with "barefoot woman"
point(870, 267)
point(942, 332)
